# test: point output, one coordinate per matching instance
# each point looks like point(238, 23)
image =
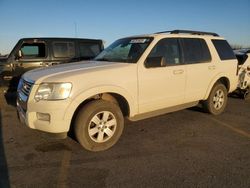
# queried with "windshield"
point(127, 50)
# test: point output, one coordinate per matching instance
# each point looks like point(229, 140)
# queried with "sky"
point(112, 19)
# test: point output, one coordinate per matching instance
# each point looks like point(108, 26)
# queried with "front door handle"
point(17, 64)
point(178, 71)
point(55, 63)
point(44, 64)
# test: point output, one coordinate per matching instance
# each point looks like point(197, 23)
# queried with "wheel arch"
point(219, 79)
point(118, 96)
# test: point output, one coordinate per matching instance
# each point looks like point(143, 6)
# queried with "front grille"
point(23, 92)
point(25, 87)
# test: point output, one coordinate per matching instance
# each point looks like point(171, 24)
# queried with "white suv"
point(135, 77)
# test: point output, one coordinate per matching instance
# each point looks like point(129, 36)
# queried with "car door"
point(162, 85)
point(29, 56)
point(199, 66)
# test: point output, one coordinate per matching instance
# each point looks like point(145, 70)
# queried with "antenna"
point(75, 29)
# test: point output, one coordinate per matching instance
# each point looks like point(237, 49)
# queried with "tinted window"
point(88, 50)
point(169, 49)
point(195, 51)
point(64, 49)
point(35, 50)
point(223, 49)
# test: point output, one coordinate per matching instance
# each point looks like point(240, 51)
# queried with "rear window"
point(195, 51)
point(89, 50)
point(64, 49)
point(223, 49)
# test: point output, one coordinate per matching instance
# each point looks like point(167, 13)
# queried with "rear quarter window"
point(223, 49)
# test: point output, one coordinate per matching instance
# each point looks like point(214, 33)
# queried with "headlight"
point(53, 91)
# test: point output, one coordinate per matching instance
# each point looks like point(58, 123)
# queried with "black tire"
point(90, 119)
point(246, 95)
point(217, 100)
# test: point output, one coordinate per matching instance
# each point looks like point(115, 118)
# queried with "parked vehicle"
point(135, 77)
point(244, 73)
point(31, 53)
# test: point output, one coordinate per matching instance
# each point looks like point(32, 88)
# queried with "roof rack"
point(189, 32)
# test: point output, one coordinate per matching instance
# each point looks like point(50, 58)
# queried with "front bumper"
point(21, 114)
point(56, 110)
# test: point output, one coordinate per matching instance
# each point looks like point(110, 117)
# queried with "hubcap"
point(102, 126)
point(218, 99)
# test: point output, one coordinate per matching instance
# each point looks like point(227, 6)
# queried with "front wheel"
point(99, 125)
point(217, 100)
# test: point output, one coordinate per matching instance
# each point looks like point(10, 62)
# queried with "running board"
point(162, 111)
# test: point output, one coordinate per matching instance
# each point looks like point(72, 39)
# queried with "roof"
point(59, 38)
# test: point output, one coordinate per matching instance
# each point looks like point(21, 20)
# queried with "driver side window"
point(168, 49)
point(34, 50)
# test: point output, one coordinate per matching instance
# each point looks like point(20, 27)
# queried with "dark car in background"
point(31, 53)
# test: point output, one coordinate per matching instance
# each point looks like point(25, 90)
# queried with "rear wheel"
point(247, 95)
point(217, 100)
point(99, 125)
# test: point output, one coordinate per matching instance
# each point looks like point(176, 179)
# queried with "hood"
point(64, 70)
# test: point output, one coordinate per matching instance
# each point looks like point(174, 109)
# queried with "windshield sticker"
point(134, 41)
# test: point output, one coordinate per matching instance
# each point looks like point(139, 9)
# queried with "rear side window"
point(195, 51)
point(34, 50)
point(64, 49)
point(223, 49)
point(89, 50)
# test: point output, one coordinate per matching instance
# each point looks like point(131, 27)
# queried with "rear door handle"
point(212, 67)
point(178, 71)
point(49, 63)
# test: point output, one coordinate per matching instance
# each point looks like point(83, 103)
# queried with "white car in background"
point(243, 57)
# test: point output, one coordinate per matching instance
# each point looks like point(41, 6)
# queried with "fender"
point(214, 80)
point(85, 94)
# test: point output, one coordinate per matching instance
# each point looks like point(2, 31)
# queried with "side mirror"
point(19, 55)
point(154, 62)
